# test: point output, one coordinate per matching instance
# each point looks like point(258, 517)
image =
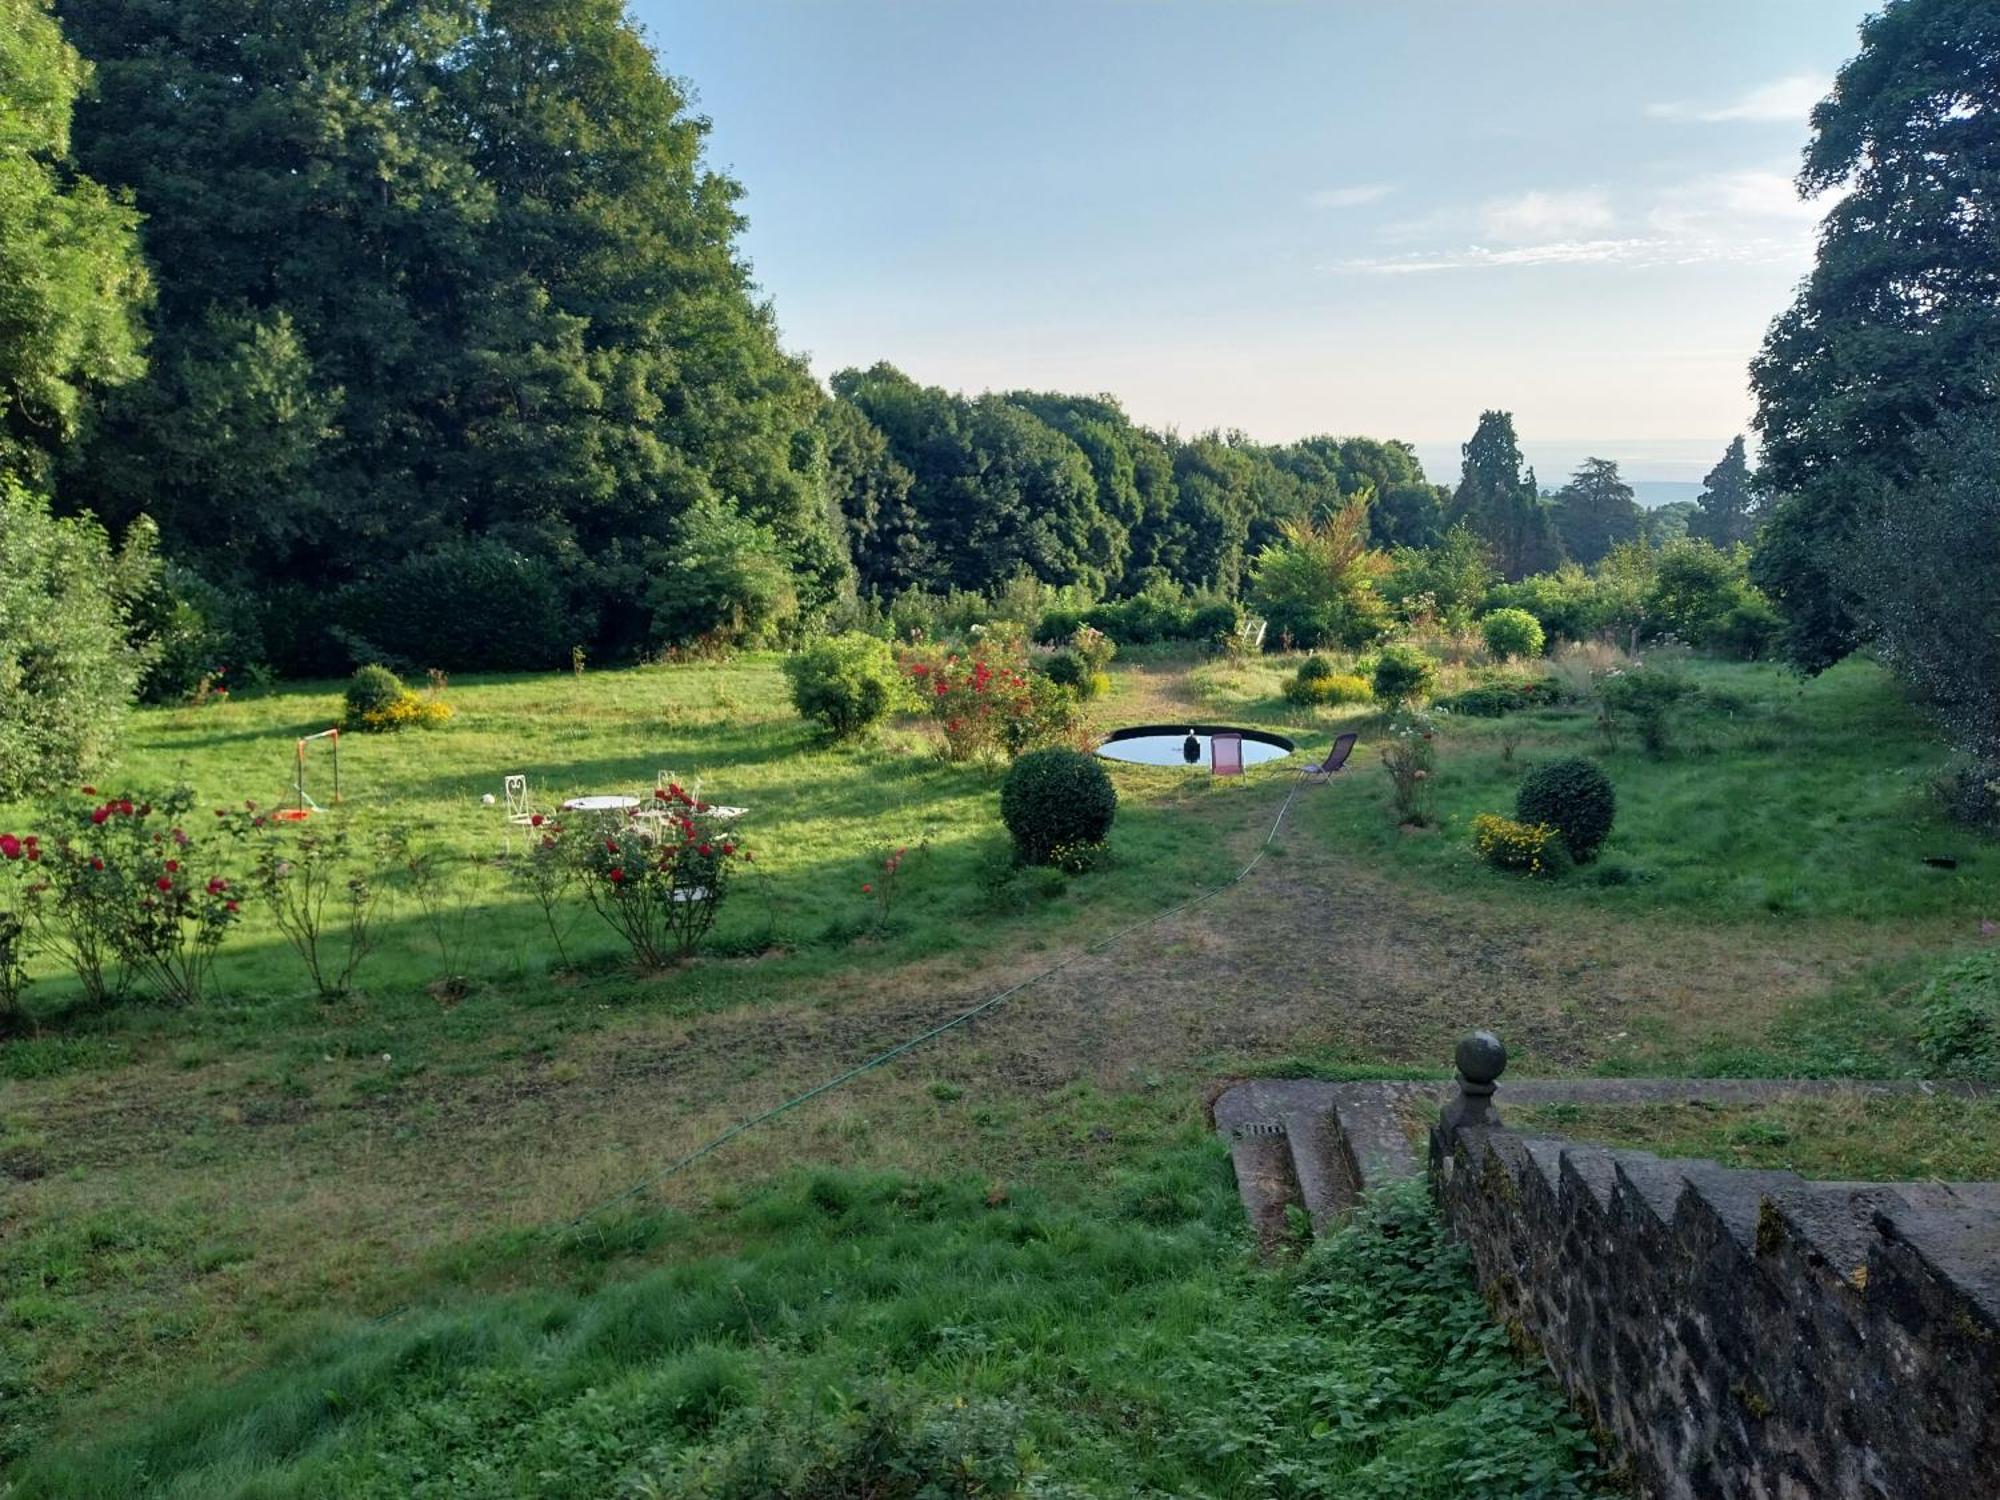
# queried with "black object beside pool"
point(1166, 744)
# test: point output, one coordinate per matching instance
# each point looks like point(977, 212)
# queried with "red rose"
point(97, 864)
point(217, 886)
point(98, 815)
point(164, 883)
point(617, 875)
point(728, 848)
point(229, 906)
point(33, 854)
point(125, 806)
point(534, 820)
point(867, 890)
point(10, 846)
point(610, 847)
point(707, 849)
point(173, 867)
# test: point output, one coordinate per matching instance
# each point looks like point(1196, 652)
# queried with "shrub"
point(1403, 674)
point(659, 884)
point(1565, 603)
point(985, 703)
point(143, 883)
point(1510, 633)
point(371, 690)
point(67, 671)
point(1057, 626)
point(298, 877)
point(1494, 700)
point(467, 606)
point(1214, 624)
point(1056, 798)
point(1155, 615)
point(1959, 1029)
point(1066, 669)
point(1328, 688)
point(1530, 848)
point(1316, 584)
point(724, 581)
point(846, 683)
point(1749, 630)
point(1410, 757)
point(1574, 797)
point(1648, 697)
point(378, 702)
point(194, 632)
point(1314, 669)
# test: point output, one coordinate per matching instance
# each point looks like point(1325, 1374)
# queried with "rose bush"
point(657, 876)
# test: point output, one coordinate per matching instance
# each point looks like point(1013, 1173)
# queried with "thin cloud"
point(1536, 217)
point(1350, 197)
point(1724, 218)
point(1788, 100)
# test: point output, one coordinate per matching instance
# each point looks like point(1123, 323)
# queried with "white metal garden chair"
point(520, 814)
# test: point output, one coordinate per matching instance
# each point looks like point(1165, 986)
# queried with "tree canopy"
point(443, 270)
point(1497, 499)
point(1595, 511)
point(72, 284)
point(1726, 512)
point(1897, 328)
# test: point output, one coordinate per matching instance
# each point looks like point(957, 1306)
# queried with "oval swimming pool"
point(1167, 744)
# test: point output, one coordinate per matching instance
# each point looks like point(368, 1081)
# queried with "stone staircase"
point(1738, 1332)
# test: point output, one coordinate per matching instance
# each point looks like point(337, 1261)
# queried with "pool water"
point(1168, 747)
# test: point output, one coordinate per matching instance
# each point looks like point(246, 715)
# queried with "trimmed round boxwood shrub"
point(1512, 632)
point(1575, 798)
point(1054, 800)
point(846, 683)
point(373, 689)
point(1403, 674)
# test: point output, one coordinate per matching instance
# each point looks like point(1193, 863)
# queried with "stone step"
point(1645, 1178)
point(1737, 1195)
point(1319, 1165)
point(1595, 1168)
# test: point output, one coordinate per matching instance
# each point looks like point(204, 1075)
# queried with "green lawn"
point(222, 1199)
point(1888, 1137)
point(1780, 796)
point(890, 1336)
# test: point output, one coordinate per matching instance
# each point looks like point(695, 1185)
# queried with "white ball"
point(487, 800)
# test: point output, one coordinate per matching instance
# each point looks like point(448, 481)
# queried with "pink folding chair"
point(1225, 754)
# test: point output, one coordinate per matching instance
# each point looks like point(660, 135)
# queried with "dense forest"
point(422, 333)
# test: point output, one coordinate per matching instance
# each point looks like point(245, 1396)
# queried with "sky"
point(1285, 216)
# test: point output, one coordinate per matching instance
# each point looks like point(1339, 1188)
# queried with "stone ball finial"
point(1481, 1059)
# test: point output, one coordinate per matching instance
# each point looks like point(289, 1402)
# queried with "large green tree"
point(1595, 511)
point(1898, 325)
point(72, 284)
point(438, 268)
point(1497, 499)
point(994, 490)
point(1726, 512)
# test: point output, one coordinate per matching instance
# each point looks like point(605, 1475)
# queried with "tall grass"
point(1116, 1344)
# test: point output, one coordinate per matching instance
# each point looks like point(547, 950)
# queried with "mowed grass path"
point(194, 1189)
